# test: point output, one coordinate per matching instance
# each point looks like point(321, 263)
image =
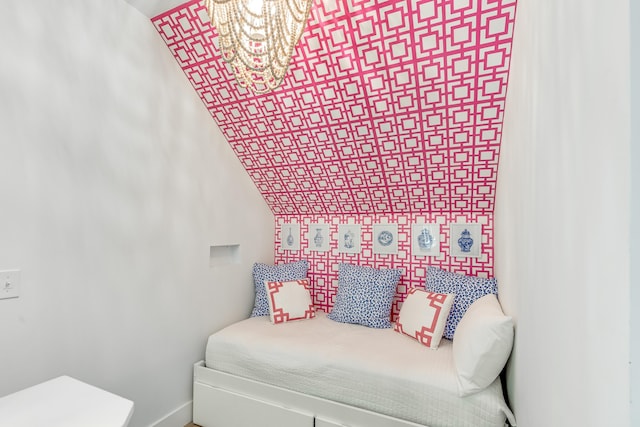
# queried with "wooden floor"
point(192, 425)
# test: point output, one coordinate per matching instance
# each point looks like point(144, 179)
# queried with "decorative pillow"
point(467, 289)
point(482, 345)
point(365, 295)
point(280, 272)
point(423, 316)
point(289, 300)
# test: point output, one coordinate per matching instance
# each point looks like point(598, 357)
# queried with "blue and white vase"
point(290, 238)
point(318, 239)
point(425, 240)
point(349, 243)
point(465, 241)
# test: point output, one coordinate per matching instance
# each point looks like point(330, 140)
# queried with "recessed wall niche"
point(220, 255)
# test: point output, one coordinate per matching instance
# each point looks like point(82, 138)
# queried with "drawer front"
point(214, 407)
point(322, 422)
point(358, 418)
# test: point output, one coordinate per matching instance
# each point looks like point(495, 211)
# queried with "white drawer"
point(222, 408)
point(360, 418)
point(321, 422)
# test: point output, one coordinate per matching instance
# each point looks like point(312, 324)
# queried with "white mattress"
point(375, 369)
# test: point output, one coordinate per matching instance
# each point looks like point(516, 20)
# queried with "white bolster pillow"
point(481, 345)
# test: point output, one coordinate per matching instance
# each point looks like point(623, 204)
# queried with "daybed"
point(319, 372)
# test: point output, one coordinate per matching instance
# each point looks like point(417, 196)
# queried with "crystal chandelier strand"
point(258, 37)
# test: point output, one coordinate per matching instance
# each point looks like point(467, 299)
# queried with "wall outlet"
point(9, 284)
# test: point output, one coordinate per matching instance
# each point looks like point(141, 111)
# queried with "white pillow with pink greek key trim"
point(423, 316)
point(289, 300)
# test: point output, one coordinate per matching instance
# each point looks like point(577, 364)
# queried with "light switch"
point(9, 284)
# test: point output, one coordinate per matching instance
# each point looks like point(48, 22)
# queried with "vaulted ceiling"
point(388, 106)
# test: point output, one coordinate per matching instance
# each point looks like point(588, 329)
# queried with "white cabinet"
point(64, 402)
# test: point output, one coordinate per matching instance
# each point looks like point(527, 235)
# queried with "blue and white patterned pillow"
point(365, 295)
point(466, 288)
point(274, 273)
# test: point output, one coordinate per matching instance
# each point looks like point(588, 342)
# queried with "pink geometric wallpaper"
point(323, 270)
point(388, 106)
point(391, 112)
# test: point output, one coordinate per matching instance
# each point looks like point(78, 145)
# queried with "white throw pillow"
point(423, 316)
point(481, 345)
point(289, 300)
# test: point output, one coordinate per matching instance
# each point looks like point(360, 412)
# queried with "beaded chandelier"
point(257, 37)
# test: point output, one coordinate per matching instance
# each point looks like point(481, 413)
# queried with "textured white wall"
point(635, 213)
point(152, 8)
point(114, 182)
point(562, 213)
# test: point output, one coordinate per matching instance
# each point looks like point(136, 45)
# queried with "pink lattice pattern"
point(323, 268)
point(388, 106)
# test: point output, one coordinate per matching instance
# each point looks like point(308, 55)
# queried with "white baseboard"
point(177, 418)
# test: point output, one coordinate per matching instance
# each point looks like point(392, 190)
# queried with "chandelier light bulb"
point(257, 37)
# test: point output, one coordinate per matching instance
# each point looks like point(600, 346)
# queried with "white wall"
point(153, 8)
point(114, 182)
point(562, 213)
point(635, 213)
